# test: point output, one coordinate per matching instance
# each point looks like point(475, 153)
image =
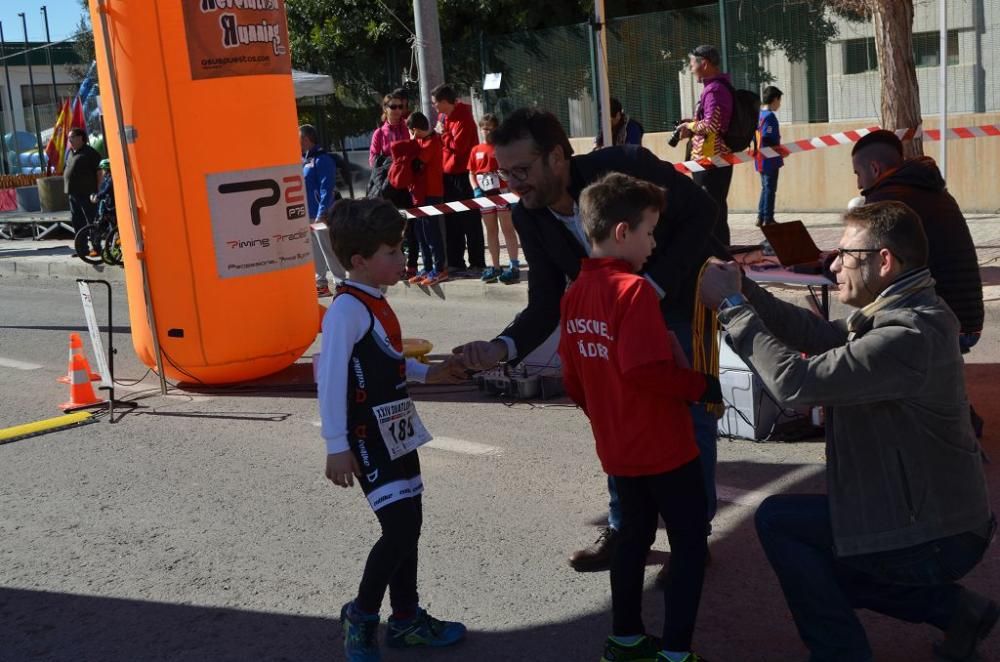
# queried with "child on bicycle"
point(372, 429)
point(106, 189)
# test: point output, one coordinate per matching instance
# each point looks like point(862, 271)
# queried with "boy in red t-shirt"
point(620, 365)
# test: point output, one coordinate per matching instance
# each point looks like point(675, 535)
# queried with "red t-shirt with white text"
point(618, 364)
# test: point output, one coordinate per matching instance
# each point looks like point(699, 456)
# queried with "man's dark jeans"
point(716, 183)
point(915, 584)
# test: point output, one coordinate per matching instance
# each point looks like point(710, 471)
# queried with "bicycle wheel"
point(112, 253)
point(83, 242)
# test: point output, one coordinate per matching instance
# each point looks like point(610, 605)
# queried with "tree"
point(893, 20)
point(83, 45)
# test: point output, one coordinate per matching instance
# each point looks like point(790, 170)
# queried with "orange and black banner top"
point(236, 38)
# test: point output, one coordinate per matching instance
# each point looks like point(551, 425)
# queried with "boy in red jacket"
point(620, 366)
point(416, 166)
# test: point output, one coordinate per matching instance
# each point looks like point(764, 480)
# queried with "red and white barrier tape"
point(485, 202)
point(688, 167)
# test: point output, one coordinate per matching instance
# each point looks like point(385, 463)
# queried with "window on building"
point(927, 48)
point(860, 56)
point(44, 94)
point(47, 101)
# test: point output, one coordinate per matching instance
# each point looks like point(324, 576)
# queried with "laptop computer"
point(794, 247)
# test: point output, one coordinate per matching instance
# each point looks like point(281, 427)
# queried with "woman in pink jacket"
point(395, 108)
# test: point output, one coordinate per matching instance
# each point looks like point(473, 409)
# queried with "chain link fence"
point(824, 62)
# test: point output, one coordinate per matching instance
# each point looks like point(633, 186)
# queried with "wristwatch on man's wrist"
point(732, 300)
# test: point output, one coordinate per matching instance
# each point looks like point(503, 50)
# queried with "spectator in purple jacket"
point(395, 108)
point(706, 130)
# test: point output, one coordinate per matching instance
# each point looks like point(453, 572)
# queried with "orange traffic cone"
point(81, 393)
point(76, 347)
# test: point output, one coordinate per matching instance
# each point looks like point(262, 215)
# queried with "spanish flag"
point(55, 151)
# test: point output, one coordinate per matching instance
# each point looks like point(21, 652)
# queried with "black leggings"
point(392, 563)
point(678, 497)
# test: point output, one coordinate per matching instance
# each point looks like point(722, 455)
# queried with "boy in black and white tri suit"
point(372, 429)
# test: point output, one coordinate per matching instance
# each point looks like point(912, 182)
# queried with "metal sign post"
point(105, 363)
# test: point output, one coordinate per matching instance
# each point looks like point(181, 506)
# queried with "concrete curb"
point(66, 268)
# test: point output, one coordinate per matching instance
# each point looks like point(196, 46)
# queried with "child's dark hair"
point(419, 121)
point(770, 94)
point(359, 227)
point(617, 198)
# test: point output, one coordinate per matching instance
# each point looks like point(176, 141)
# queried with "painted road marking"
point(464, 447)
point(453, 445)
point(18, 365)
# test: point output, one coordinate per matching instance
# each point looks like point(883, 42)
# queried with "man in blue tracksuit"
point(319, 171)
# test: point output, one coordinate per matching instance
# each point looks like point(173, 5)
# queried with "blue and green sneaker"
point(691, 657)
point(423, 630)
point(360, 644)
point(644, 650)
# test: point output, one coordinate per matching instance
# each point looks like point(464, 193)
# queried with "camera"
point(675, 137)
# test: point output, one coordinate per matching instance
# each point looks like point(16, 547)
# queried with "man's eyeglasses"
point(395, 106)
point(519, 173)
point(839, 253)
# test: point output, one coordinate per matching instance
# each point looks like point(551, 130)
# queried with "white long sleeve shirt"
point(345, 323)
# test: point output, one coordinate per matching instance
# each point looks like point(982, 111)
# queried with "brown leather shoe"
point(597, 557)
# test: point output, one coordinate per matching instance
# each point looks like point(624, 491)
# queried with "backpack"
point(742, 130)
point(379, 185)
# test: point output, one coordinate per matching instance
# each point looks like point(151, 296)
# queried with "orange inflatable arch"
point(205, 93)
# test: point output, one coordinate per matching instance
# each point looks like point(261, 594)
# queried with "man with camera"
point(707, 129)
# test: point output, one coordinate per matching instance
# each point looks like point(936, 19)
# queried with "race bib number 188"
point(401, 427)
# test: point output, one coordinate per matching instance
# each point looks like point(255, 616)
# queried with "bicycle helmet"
point(105, 164)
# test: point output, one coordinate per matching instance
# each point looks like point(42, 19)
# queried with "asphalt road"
point(200, 526)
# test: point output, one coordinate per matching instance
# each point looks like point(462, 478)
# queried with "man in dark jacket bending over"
point(536, 159)
point(883, 174)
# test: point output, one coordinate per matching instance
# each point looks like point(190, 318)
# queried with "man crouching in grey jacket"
point(907, 513)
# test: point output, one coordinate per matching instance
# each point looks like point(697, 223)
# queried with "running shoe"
point(416, 278)
point(510, 275)
point(434, 277)
point(490, 275)
point(644, 650)
point(691, 657)
point(360, 644)
point(423, 630)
